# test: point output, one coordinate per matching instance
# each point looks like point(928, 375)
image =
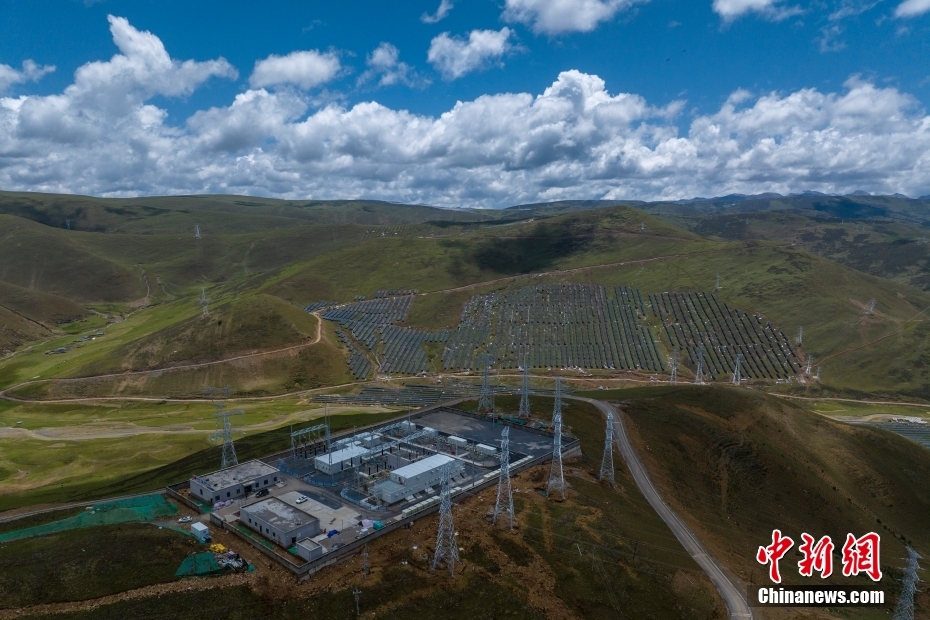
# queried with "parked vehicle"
point(302, 499)
point(186, 519)
point(262, 493)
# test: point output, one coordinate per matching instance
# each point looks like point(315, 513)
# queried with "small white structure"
point(234, 482)
point(201, 532)
point(369, 440)
point(411, 479)
point(337, 461)
point(458, 442)
point(429, 432)
point(407, 426)
point(279, 521)
point(485, 449)
point(309, 549)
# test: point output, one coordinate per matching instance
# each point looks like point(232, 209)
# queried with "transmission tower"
point(556, 478)
point(817, 375)
point(486, 397)
point(204, 301)
point(737, 378)
point(357, 593)
point(673, 367)
point(524, 411)
point(504, 502)
point(800, 337)
point(810, 362)
point(905, 607)
point(196, 231)
point(607, 462)
point(365, 567)
point(871, 309)
point(447, 548)
point(642, 227)
point(219, 396)
point(717, 283)
point(699, 373)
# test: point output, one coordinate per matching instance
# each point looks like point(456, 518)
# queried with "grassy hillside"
point(737, 464)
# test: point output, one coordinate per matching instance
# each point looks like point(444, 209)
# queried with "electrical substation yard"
point(327, 494)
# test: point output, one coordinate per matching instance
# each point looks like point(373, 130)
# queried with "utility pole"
point(504, 502)
point(357, 593)
point(556, 477)
point(447, 548)
point(365, 567)
point(196, 231)
point(607, 461)
point(736, 371)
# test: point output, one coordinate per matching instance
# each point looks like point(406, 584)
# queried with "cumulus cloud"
point(305, 69)
point(384, 64)
point(912, 8)
point(444, 7)
point(560, 16)
point(102, 135)
point(770, 9)
point(31, 72)
point(453, 57)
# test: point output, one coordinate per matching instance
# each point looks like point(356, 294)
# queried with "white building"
point(309, 549)
point(418, 476)
point(279, 521)
point(337, 461)
point(234, 482)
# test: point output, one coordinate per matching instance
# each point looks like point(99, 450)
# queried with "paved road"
point(734, 599)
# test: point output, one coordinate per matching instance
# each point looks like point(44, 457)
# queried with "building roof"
point(428, 464)
point(278, 514)
point(238, 474)
point(342, 455)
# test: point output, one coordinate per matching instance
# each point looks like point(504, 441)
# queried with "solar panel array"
point(358, 363)
point(317, 305)
point(366, 318)
point(691, 320)
point(554, 326)
point(403, 350)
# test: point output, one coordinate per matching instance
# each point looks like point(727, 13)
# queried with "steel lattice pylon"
point(737, 376)
point(673, 368)
point(904, 610)
point(607, 462)
point(524, 411)
point(699, 373)
point(556, 477)
point(486, 397)
point(446, 546)
point(504, 493)
point(228, 458)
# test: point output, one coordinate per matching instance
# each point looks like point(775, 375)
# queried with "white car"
point(302, 499)
point(186, 519)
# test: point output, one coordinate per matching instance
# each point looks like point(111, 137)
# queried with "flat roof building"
point(335, 462)
point(279, 521)
point(418, 476)
point(234, 482)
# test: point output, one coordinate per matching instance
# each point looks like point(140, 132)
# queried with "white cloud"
point(912, 8)
point(384, 64)
point(103, 136)
point(305, 69)
point(560, 16)
point(770, 9)
point(444, 7)
point(453, 57)
point(31, 72)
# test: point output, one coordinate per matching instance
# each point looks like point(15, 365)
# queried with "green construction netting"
point(145, 508)
point(199, 565)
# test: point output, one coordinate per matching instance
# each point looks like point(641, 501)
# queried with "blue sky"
point(497, 102)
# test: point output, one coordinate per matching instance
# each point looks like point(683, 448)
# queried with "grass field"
point(737, 464)
point(57, 470)
point(89, 563)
